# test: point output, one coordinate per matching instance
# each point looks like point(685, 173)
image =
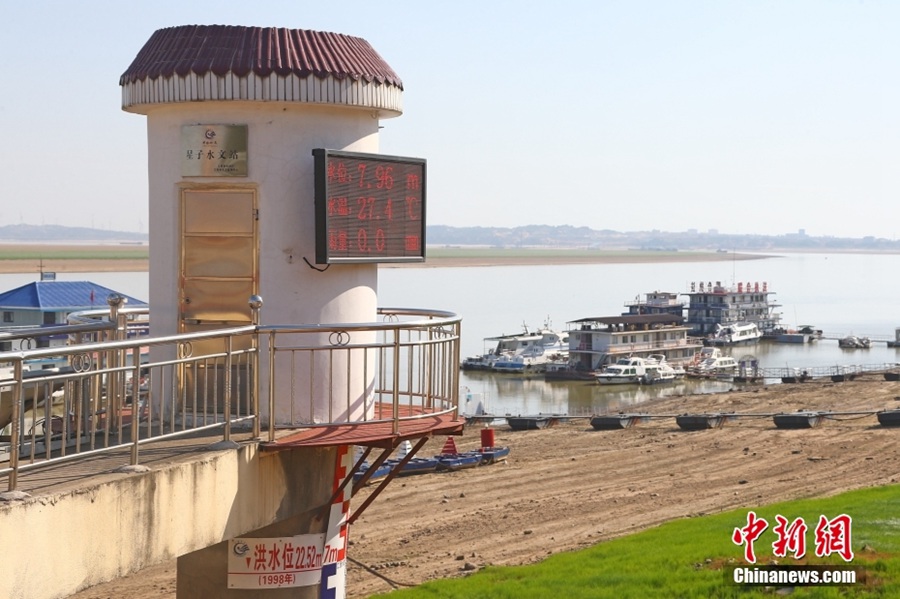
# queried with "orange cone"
point(449, 447)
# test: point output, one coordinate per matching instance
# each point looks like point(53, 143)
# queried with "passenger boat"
point(658, 371)
point(735, 334)
point(740, 303)
point(525, 352)
point(710, 362)
point(624, 372)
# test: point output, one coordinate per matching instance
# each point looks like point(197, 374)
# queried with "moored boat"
point(529, 351)
point(659, 371)
point(710, 362)
point(624, 372)
point(739, 333)
point(854, 342)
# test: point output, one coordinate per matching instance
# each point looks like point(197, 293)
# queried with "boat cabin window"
point(8, 317)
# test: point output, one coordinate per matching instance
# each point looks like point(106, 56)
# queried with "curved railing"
point(406, 367)
point(118, 389)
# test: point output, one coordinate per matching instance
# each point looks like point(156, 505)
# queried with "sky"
point(742, 116)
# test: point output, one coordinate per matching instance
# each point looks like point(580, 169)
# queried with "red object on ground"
point(449, 447)
point(487, 437)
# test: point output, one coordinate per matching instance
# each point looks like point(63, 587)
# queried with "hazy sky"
point(743, 116)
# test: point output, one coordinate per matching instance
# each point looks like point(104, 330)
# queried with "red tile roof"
point(224, 49)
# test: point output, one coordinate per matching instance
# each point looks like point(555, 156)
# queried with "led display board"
point(369, 207)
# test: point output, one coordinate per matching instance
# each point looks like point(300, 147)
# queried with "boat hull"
point(618, 380)
point(611, 422)
point(523, 423)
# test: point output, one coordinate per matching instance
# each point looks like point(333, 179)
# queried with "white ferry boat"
point(625, 371)
point(740, 333)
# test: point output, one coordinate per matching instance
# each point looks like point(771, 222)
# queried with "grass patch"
point(688, 558)
point(69, 252)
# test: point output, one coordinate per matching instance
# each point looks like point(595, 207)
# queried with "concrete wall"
point(55, 545)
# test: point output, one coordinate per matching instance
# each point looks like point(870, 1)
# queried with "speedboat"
point(625, 371)
point(710, 362)
point(659, 371)
point(527, 351)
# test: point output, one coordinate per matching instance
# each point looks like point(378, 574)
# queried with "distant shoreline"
point(69, 258)
point(36, 258)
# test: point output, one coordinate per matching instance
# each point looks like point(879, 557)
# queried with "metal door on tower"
point(219, 258)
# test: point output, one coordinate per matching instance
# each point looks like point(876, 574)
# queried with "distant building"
point(597, 341)
point(47, 303)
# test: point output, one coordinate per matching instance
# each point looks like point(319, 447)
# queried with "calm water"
point(839, 293)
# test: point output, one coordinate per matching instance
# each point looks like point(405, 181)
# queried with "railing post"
point(229, 345)
point(395, 426)
point(136, 406)
point(256, 303)
point(18, 398)
point(271, 386)
point(114, 388)
point(454, 388)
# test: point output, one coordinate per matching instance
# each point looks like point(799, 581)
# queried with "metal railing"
point(114, 392)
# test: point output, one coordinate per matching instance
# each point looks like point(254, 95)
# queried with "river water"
point(838, 293)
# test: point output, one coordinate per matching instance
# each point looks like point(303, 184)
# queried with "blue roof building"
point(50, 302)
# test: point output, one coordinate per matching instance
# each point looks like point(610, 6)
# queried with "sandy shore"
point(569, 486)
point(435, 260)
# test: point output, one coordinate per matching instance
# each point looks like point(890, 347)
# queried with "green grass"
point(688, 558)
point(48, 252)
